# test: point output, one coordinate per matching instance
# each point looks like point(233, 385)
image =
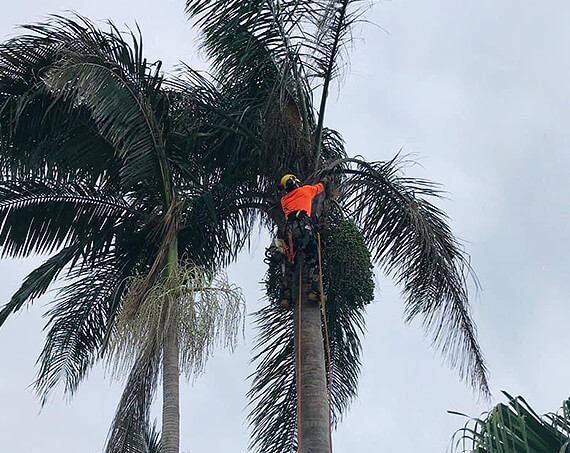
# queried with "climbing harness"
point(299, 228)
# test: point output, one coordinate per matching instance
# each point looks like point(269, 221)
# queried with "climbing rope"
point(327, 341)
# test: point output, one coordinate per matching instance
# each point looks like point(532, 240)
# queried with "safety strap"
point(327, 340)
point(289, 251)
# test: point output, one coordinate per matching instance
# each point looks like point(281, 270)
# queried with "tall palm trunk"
point(170, 442)
point(313, 401)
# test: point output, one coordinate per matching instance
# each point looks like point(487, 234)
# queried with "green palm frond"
point(119, 115)
point(40, 216)
point(128, 431)
point(268, 24)
point(39, 280)
point(515, 428)
point(42, 134)
point(332, 146)
point(78, 321)
point(152, 439)
point(122, 117)
point(273, 393)
point(85, 79)
point(412, 241)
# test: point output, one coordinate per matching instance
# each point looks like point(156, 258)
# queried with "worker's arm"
point(317, 188)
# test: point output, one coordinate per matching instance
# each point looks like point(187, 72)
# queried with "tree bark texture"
point(313, 402)
point(170, 442)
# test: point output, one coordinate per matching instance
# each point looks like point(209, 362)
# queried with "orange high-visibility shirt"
point(301, 199)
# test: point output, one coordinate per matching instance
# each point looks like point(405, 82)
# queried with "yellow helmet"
point(289, 180)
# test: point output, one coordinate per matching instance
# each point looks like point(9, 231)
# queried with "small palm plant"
point(515, 427)
point(102, 168)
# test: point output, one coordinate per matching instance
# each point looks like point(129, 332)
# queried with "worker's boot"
point(314, 293)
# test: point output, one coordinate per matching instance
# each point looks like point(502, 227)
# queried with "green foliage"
point(112, 161)
point(515, 428)
point(347, 265)
point(349, 285)
point(104, 166)
point(152, 439)
point(411, 240)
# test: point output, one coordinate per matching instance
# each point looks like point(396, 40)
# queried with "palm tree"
point(102, 167)
point(515, 428)
point(273, 63)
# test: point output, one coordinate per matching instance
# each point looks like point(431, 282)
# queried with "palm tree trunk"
point(313, 402)
point(170, 442)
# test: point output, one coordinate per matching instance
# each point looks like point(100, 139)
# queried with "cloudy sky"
point(478, 92)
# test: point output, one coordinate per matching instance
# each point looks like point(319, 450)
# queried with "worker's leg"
point(312, 260)
point(286, 285)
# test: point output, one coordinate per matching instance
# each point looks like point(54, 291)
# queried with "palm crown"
point(272, 60)
point(101, 167)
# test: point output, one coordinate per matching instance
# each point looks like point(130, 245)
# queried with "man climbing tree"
point(299, 230)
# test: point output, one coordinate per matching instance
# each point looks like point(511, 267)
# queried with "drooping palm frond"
point(347, 274)
point(128, 433)
point(515, 428)
point(412, 241)
point(152, 439)
point(98, 83)
point(273, 394)
point(78, 321)
point(40, 216)
point(39, 280)
point(41, 132)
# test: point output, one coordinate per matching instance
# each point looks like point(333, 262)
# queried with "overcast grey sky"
point(479, 92)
